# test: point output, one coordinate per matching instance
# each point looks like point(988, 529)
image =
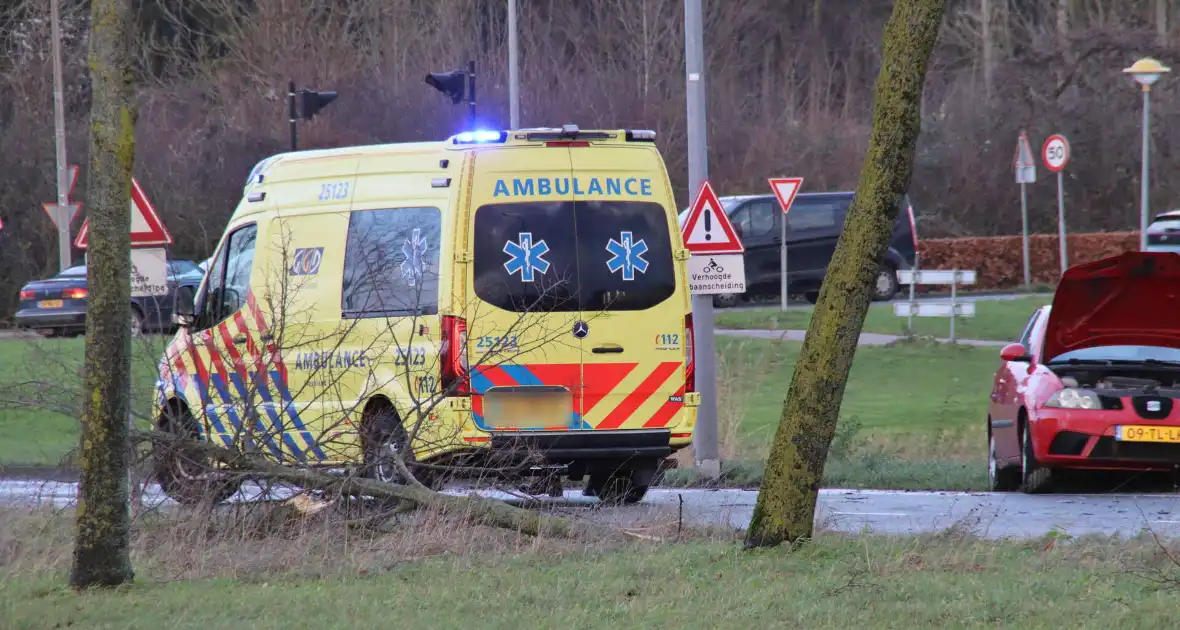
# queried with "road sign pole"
point(1061, 222)
point(705, 439)
point(63, 202)
point(782, 251)
point(784, 189)
point(1024, 235)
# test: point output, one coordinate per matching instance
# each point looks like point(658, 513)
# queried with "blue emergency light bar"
point(480, 137)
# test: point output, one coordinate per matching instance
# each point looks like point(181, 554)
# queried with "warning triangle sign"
point(785, 189)
point(147, 230)
point(707, 229)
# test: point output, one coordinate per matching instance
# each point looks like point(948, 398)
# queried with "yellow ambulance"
point(502, 302)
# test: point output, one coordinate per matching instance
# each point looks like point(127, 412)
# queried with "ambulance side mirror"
point(184, 310)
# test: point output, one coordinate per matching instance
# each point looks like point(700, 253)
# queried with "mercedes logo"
point(581, 330)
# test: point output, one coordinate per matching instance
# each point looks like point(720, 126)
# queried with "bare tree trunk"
point(102, 543)
point(785, 511)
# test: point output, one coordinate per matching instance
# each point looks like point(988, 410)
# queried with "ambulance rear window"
point(391, 262)
point(569, 256)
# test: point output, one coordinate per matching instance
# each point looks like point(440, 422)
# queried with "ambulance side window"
point(229, 278)
point(391, 262)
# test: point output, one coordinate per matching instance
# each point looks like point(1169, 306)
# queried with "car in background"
point(1163, 234)
point(813, 226)
point(1094, 379)
point(56, 306)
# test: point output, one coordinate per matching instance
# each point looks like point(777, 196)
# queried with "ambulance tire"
point(184, 475)
point(622, 487)
point(384, 436)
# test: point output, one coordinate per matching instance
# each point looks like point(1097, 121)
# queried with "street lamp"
point(1146, 72)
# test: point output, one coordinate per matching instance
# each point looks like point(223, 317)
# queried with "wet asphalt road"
point(989, 515)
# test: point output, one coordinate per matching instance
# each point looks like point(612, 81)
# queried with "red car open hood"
point(1129, 299)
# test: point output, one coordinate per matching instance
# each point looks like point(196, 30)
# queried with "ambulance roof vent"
point(566, 132)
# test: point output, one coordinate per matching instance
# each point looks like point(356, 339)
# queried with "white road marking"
point(869, 513)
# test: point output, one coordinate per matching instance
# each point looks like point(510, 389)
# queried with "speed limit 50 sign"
point(1055, 153)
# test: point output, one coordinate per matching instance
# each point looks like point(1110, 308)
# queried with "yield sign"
point(55, 211)
point(146, 227)
point(785, 189)
point(707, 229)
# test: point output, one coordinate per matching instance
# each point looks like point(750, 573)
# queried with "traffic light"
point(453, 84)
point(456, 85)
point(311, 102)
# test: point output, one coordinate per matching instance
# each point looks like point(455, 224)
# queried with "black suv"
point(813, 225)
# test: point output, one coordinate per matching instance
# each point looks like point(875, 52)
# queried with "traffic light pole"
point(471, 96)
point(705, 442)
point(513, 68)
point(291, 110)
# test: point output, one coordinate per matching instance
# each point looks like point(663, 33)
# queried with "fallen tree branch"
point(475, 509)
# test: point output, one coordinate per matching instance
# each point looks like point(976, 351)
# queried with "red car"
point(1094, 380)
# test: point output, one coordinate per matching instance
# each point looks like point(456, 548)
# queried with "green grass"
point(948, 581)
point(912, 416)
point(41, 390)
point(1001, 320)
point(908, 389)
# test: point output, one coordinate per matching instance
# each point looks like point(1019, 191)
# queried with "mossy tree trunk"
point(102, 540)
point(785, 511)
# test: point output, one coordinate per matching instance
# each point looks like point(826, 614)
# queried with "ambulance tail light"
point(690, 372)
point(455, 379)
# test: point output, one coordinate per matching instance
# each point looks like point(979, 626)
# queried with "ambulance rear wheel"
point(621, 487)
point(384, 441)
point(184, 474)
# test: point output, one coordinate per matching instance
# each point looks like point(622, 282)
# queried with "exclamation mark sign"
point(708, 224)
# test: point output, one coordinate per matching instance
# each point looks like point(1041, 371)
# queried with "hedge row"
point(998, 262)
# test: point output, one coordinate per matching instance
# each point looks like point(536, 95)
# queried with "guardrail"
point(951, 308)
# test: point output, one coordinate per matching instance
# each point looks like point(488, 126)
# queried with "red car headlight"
point(1074, 398)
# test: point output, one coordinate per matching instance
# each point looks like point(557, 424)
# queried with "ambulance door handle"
point(240, 339)
point(607, 349)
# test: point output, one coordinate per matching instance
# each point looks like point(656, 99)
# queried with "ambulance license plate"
point(1140, 433)
point(528, 407)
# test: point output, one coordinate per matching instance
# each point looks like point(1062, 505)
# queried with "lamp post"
point(1146, 72)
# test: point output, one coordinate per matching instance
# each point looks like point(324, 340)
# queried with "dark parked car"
point(813, 225)
point(56, 306)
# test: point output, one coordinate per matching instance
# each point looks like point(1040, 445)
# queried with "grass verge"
point(433, 575)
point(912, 416)
point(1000, 320)
point(41, 391)
point(924, 439)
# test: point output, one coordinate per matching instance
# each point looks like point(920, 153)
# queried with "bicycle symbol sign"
point(716, 274)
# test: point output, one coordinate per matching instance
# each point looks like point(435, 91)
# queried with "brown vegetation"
point(998, 262)
point(789, 93)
